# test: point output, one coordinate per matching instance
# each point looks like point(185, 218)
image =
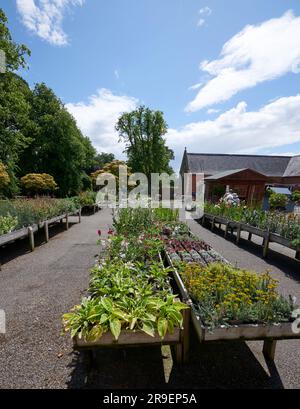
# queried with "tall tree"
point(58, 147)
point(15, 124)
point(143, 132)
point(102, 159)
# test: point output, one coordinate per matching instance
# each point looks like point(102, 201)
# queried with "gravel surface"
point(36, 289)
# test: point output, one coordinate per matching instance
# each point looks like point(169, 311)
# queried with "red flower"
point(99, 232)
point(110, 232)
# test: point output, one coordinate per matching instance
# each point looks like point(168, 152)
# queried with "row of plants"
point(221, 293)
point(16, 214)
point(130, 287)
point(224, 295)
point(285, 225)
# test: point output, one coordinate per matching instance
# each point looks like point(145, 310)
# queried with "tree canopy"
point(142, 131)
point(37, 133)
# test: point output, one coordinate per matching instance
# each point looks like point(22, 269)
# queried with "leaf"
point(115, 327)
point(148, 328)
point(132, 324)
point(104, 318)
point(107, 304)
point(120, 314)
point(162, 327)
point(95, 333)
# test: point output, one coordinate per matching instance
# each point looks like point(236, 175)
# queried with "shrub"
point(34, 183)
point(4, 176)
point(278, 200)
point(296, 196)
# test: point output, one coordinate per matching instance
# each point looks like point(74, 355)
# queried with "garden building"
point(247, 175)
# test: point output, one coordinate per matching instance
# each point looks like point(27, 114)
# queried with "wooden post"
point(269, 349)
point(226, 230)
point(213, 224)
point(94, 209)
point(79, 215)
point(266, 244)
point(46, 229)
point(31, 238)
point(238, 234)
point(67, 221)
point(186, 334)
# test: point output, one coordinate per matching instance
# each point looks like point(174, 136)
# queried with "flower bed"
point(130, 289)
point(284, 225)
point(225, 295)
point(16, 214)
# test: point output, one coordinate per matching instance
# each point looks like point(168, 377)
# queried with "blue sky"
point(105, 57)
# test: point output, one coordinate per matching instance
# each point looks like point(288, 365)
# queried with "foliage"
point(102, 159)
point(277, 200)
point(8, 224)
point(4, 177)
point(225, 295)
point(296, 196)
point(38, 183)
point(111, 168)
point(286, 225)
point(15, 53)
point(87, 198)
point(58, 146)
point(32, 211)
point(135, 222)
point(142, 131)
point(15, 124)
point(126, 296)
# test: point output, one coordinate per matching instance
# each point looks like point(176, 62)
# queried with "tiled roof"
point(293, 168)
point(210, 164)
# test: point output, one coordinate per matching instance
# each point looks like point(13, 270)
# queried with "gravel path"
point(37, 288)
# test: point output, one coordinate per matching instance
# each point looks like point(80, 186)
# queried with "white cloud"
point(97, 118)
point(45, 17)
point(256, 54)
point(196, 86)
point(201, 22)
point(205, 11)
point(239, 131)
point(212, 111)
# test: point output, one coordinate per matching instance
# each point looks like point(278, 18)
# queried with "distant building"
point(247, 175)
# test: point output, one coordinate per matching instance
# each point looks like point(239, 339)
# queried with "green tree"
point(15, 124)
point(58, 147)
point(102, 159)
point(15, 53)
point(143, 132)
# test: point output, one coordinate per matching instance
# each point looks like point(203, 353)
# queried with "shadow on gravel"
point(21, 247)
point(214, 365)
point(288, 265)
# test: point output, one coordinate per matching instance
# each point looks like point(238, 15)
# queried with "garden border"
point(269, 333)
point(267, 236)
point(28, 232)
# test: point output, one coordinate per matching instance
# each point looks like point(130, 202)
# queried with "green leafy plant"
point(8, 224)
point(278, 200)
point(225, 295)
